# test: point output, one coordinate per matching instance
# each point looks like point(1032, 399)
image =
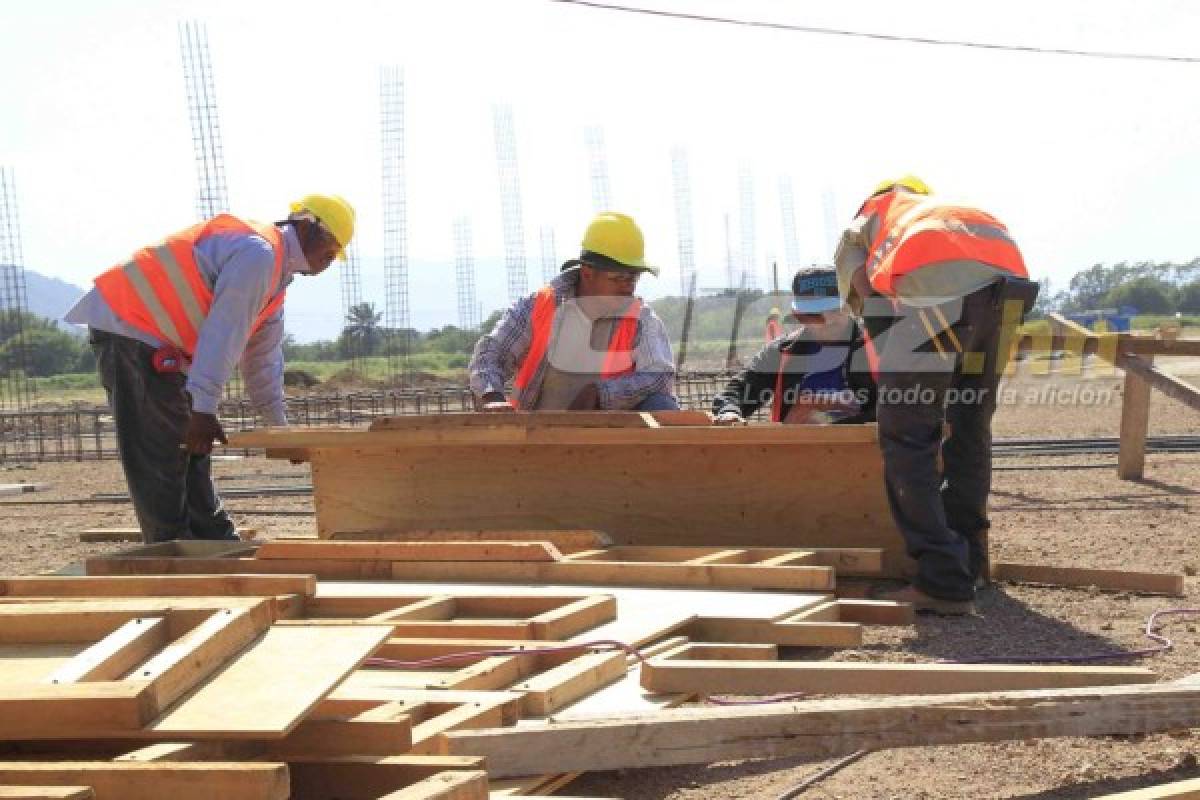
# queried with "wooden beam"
point(1171, 385)
point(132, 780)
point(159, 586)
point(837, 677)
point(1179, 790)
point(73, 710)
point(556, 688)
point(825, 729)
point(623, 573)
point(319, 438)
point(875, 612)
point(519, 419)
point(1135, 423)
point(783, 633)
point(382, 731)
point(46, 793)
point(116, 654)
point(410, 551)
point(464, 785)
point(566, 541)
point(1113, 579)
point(187, 661)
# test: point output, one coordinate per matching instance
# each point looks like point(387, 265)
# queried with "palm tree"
point(362, 327)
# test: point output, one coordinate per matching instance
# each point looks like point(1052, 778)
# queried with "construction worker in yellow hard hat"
point(584, 341)
point(168, 327)
point(947, 283)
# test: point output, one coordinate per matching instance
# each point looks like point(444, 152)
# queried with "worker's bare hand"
point(588, 399)
point(729, 418)
point(202, 430)
point(498, 407)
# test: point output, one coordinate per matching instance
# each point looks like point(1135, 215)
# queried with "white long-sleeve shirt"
point(239, 267)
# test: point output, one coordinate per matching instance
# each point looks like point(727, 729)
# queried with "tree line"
point(1152, 288)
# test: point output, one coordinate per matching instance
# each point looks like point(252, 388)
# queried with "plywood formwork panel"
point(638, 494)
point(728, 487)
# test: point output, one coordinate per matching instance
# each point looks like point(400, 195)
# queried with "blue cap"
point(815, 291)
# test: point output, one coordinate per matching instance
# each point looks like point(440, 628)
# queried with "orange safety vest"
point(161, 291)
point(774, 330)
point(916, 231)
point(618, 361)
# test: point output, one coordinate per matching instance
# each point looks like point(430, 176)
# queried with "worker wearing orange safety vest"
point(584, 341)
point(168, 327)
point(774, 327)
point(816, 374)
point(939, 287)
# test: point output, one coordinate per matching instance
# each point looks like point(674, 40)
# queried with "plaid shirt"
point(498, 355)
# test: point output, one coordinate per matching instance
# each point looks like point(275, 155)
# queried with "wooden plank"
point(1178, 790)
point(134, 780)
point(270, 687)
point(464, 785)
point(875, 612)
point(785, 633)
point(1135, 423)
point(682, 417)
point(159, 586)
point(382, 731)
point(191, 658)
point(519, 419)
point(116, 654)
point(46, 793)
point(410, 551)
point(93, 535)
point(1171, 385)
point(571, 435)
point(834, 677)
point(571, 618)
point(617, 573)
point(555, 688)
point(1117, 580)
point(456, 487)
point(69, 711)
point(818, 730)
point(369, 778)
point(567, 541)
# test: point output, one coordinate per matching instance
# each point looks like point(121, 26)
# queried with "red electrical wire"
point(1164, 644)
point(471, 655)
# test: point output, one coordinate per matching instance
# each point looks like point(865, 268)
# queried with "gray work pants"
point(172, 490)
point(942, 514)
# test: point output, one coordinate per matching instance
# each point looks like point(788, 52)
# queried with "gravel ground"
point(1080, 517)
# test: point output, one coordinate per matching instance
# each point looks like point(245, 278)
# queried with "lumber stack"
point(481, 664)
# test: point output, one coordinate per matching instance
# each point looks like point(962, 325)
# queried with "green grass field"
point(450, 368)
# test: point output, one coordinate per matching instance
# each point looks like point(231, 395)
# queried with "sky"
point(1087, 160)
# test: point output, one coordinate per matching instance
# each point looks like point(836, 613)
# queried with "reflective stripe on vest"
point(916, 231)
point(617, 361)
point(161, 292)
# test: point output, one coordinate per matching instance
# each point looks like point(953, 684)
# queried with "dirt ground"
point(1071, 511)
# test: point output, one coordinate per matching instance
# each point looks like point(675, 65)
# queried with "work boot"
point(922, 602)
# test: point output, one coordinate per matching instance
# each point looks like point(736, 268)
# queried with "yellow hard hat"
point(774, 313)
point(910, 182)
point(334, 213)
point(617, 241)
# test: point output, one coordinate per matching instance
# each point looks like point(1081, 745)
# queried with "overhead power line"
point(886, 37)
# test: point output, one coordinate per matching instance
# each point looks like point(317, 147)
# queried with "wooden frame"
point(743, 484)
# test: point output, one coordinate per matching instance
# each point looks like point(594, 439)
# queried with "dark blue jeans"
point(172, 491)
point(942, 513)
